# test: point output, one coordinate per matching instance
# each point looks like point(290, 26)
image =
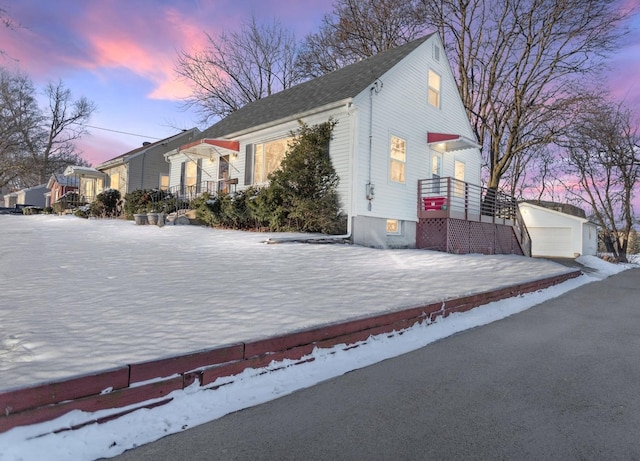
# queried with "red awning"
point(445, 142)
point(223, 143)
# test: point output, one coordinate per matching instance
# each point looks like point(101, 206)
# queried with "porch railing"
point(451, 198)
point(178, 198)
point(189, 192)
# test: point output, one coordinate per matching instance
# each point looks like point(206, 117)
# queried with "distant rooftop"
point(561, 207)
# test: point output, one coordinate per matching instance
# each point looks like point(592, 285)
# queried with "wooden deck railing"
point(451, 198)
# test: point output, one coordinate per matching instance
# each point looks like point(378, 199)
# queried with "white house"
point(559, 230)
point(90, 182)
point(399, 118)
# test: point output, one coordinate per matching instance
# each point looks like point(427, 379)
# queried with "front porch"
point(458, 217)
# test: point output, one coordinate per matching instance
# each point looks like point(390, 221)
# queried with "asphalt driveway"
point(559, 381)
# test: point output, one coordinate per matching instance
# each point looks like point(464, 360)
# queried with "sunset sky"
point(121, 53)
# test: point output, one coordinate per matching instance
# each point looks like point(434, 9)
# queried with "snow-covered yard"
point(78, 296)
point(84, 295)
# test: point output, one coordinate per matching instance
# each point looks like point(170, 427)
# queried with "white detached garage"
point(559, 230)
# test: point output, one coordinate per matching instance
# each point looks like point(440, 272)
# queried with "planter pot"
point(152, 218)
point(162, 219)
point(140, 218)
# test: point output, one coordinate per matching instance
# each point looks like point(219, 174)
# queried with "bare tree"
point(19, 115)
point(35, 142)
point(357, 29)
point(239, 67)
point(66, 119)
point(604, 158)
point(516, 61)
point(532, 174)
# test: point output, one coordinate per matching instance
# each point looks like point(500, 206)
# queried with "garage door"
point(551, 241)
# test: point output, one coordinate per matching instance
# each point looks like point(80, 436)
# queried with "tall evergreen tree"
point(305, 186)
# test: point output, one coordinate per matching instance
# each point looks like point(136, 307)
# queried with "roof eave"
point(290, 118)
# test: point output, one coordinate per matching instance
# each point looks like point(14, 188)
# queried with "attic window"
point(436, 52)
point(434, 89)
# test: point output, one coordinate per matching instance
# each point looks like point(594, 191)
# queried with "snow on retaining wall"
point(147, 384)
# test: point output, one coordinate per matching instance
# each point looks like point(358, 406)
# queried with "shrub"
point(304, 189)
point(226, 210)
point(107, 204)
point(29, 210)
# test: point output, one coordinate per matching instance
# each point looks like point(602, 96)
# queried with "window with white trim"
point(164, 182)
point(398, 159)
point(434, 89)
point(191, 173)
point(267, 158)
point(114, 180)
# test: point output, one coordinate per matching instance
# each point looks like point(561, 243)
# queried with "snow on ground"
point(81, 295)
point(85, 295)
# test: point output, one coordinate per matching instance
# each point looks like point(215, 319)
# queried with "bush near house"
point(228, 210)
point(301, 195)
point(106, 205)
point(29, 210)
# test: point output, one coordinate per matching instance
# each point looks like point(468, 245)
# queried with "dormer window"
point(434, 89)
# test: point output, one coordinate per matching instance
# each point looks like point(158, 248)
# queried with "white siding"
point(209, 168)
point(589, 239)
point(339, 149)
point(401, 109)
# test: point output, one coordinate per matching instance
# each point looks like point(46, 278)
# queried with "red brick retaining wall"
point(147, 384)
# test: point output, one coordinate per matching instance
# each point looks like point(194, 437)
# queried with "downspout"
point(370, 188)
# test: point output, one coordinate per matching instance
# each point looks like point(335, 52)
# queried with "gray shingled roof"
point(121, 157)
point(335, 86)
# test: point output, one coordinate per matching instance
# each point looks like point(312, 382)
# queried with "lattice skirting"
point(462, 237)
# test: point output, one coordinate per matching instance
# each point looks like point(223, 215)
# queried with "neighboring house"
point(559, 230)
point(10, 199)
point(400, 122)
point(58, 186)
point(144, 167)
point(33, 196)
point(89, 180)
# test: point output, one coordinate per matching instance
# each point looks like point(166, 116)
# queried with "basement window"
point(393, 227)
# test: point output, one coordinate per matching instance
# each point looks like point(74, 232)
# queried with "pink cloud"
point(141, 44)
point(141, 37)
